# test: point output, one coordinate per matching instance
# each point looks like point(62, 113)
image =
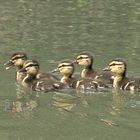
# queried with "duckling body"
point(66, 67)
point(127, 84)
point(86, 60)
point(38, 81)
point(118, 67)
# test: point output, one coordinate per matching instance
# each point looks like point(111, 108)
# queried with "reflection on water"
point(49, 31)
point(66, 102)
point(119, 100)
point(22, 102)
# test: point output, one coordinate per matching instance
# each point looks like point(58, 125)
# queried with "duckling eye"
point(61, 66)
point(82, 58)
point(85, 57)
point(17, 58)
point(31, 65)
point(112, 64)
point(79, 58)
point(116, 64)
point(27, 67)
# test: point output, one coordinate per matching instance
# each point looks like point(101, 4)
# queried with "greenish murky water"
point(51, 30)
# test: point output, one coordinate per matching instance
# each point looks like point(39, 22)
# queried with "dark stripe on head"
point(65, 63)
point(80, 57)
point(18, 55)
point(86, 53)
point(30, 63)
point(115, 64)
point(118, 60)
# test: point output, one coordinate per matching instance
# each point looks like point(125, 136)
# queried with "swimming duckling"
point(118, 67)
point(66, 67)
point(86, 60)
point(38, 83)
point(17, 59)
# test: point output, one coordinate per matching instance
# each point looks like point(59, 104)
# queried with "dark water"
point(51, 30)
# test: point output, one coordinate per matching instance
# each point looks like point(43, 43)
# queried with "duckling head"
point(118, 67)
point(31, 67)
point(85, 59)
point(17, 59)
point(66, 67)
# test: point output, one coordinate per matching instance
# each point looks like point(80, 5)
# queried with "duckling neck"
point(19, 67)
point(89, 67)
point(29, 78)
point(65, 79)
point(85, 72)
point(117, 81)
point(19, 75)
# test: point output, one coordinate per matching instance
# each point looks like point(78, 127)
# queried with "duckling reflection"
point(116, 109)
point(86, 59)
point(19, 106)
point(24, 102)
point(67, 101)
point(119, 100)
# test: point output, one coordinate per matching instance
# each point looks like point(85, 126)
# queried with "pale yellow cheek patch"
point(85, 61)
point(64, 65)
point(18, 62)
point(32, 70)
point(117, 69)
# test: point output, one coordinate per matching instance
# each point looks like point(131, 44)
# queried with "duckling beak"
point(22, 70)
point(106, 69)
point(8, 64)
point(55, 70)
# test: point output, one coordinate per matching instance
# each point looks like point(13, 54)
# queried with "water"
point(52, 30)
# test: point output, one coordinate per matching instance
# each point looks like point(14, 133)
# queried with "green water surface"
point(52, 30)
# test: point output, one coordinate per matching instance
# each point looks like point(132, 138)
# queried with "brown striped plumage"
point(66, 67)
point(38, 81)
point(118, 67)
point(17, 60)
point(86, 60)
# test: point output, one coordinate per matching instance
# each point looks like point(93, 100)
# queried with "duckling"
point(36, 82)
point(66, 67)
point(118, 67)
point(86, 59)
point(17, 59)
